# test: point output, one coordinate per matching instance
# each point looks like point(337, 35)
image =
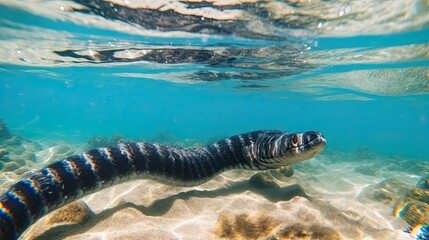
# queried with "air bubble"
point(341, 13)
point(320, 25)
point(202, 18)
point(62, 8)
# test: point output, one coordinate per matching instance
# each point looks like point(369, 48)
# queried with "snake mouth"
point(316, 146)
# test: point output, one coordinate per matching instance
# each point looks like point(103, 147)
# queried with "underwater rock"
point(60, 221)
point(116, 139)
point(386, 191)
point(244, 226)
point(263, 180)
point(4, 130)
point(24, 153)
point(18, 153)
point(299, 231)
point(74, 213)
point(13, 141)
point(101, 141)
point(97, 142)
point(164, 137)
point(286, 171)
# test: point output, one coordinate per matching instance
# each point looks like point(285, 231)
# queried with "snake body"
point(67, 180)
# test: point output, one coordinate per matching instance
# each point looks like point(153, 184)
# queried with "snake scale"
point(67, 180)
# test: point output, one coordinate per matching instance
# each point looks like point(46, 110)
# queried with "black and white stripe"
point(66, 180)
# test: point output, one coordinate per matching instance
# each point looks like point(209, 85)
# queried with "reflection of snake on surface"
point(67, 180)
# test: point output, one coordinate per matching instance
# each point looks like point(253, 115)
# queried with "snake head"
point(282, 149)
point(302, 146)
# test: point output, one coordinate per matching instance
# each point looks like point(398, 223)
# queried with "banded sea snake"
point(67, 180)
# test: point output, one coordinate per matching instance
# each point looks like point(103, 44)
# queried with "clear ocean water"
point(358, 71)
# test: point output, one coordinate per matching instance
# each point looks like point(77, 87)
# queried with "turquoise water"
point(92, 104)
point(364, 87)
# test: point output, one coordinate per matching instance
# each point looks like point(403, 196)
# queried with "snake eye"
point(295, 140)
